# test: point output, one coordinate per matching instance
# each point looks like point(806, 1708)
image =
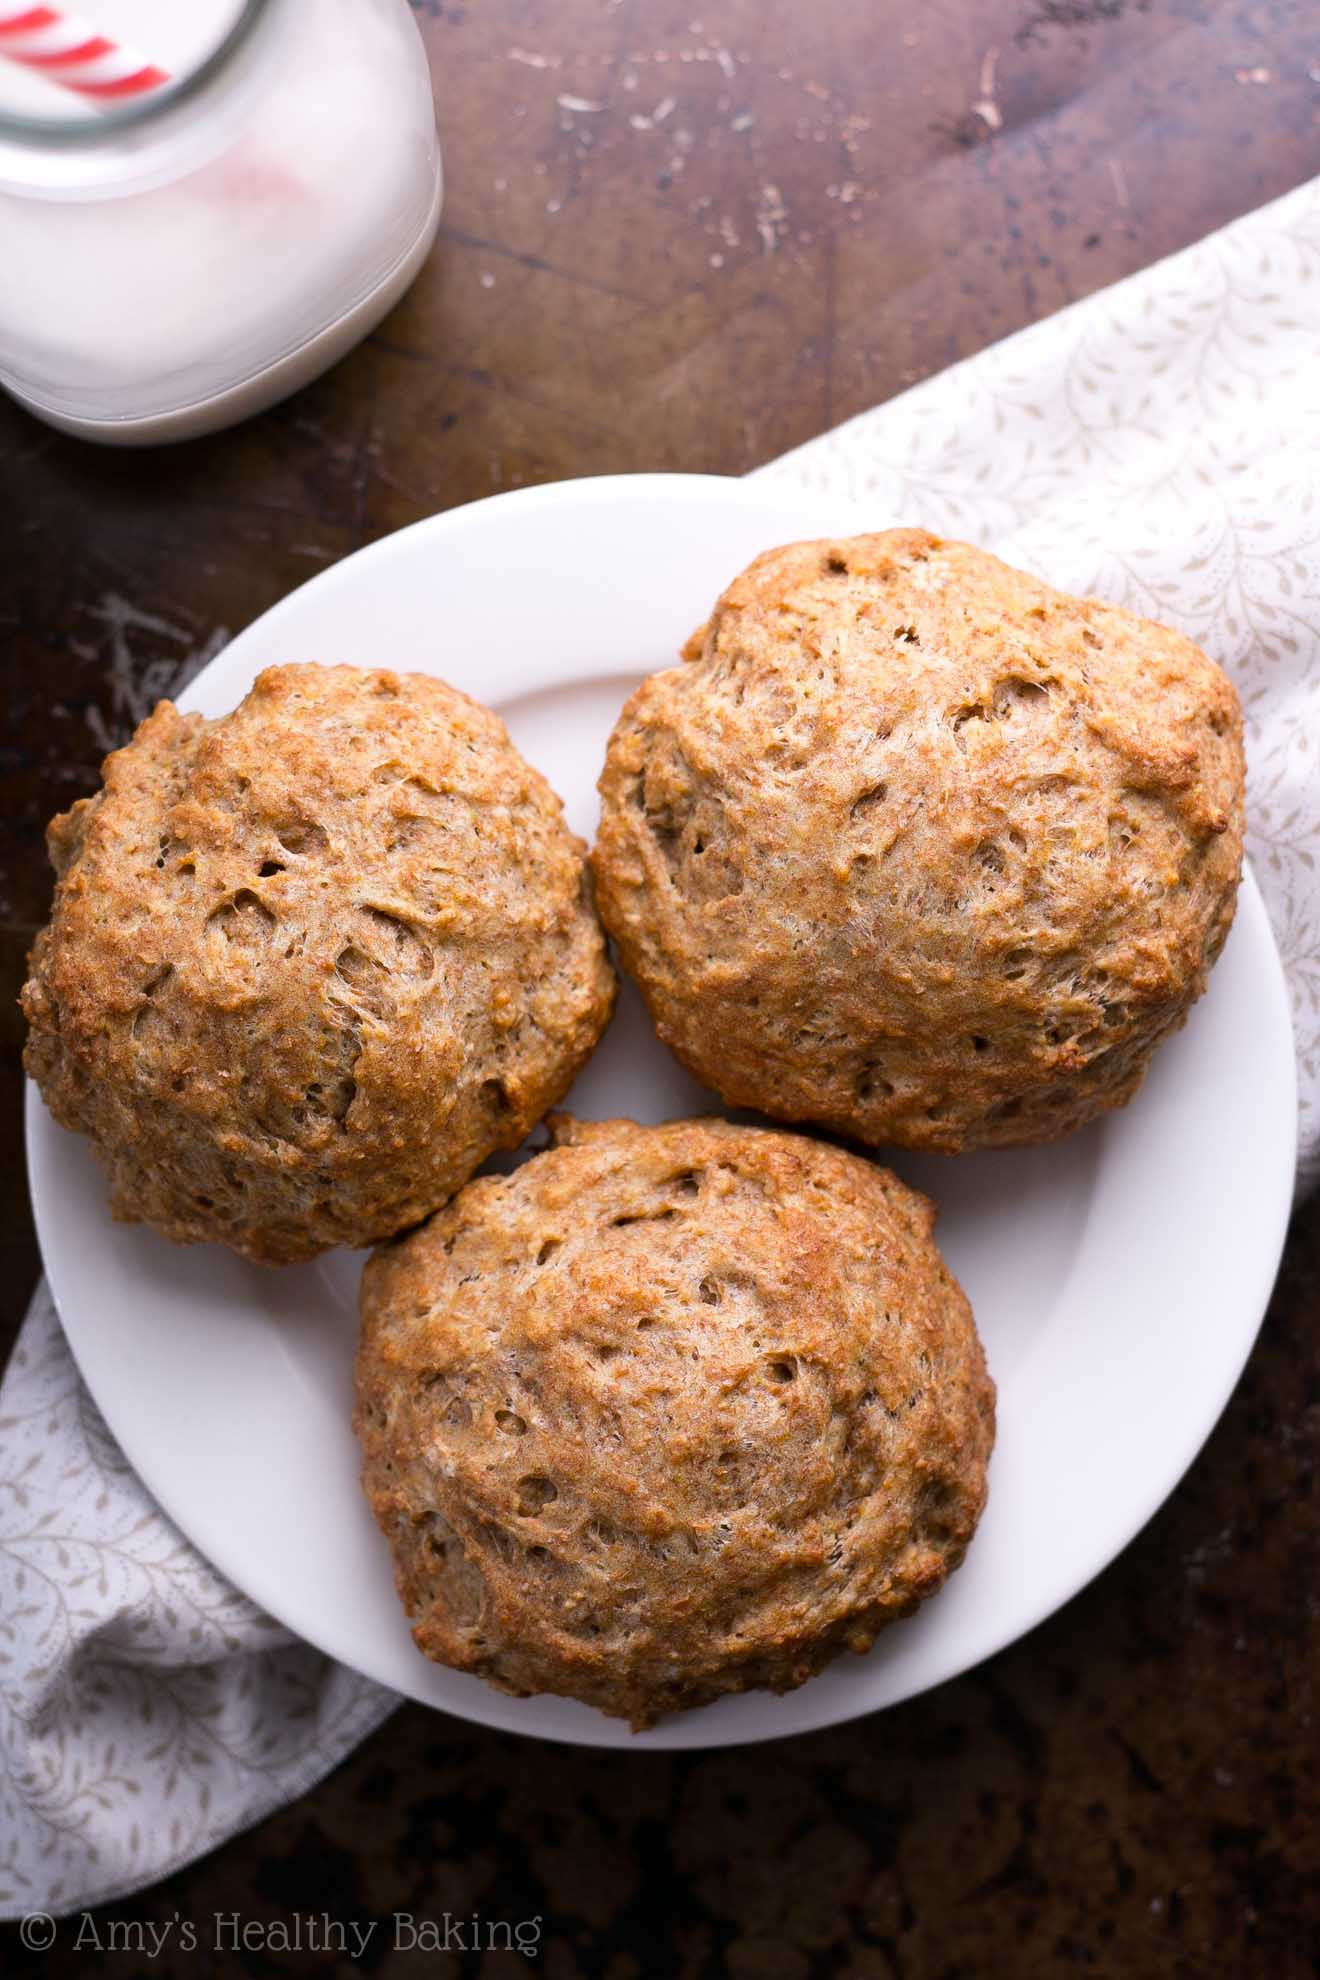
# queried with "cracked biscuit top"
point(310, 963)
point(920, 849)
point(670, 1412)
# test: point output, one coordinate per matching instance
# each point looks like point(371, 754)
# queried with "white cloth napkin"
point(1158, 445)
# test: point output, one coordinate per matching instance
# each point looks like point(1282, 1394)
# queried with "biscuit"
point(310, 963)
point(669, 1412)
point(919, 849)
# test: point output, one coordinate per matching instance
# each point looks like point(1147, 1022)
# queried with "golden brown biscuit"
point(670, 1412)
point(920, 849)
point(309, 964)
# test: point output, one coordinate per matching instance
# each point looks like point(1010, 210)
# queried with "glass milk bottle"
point(176, 254)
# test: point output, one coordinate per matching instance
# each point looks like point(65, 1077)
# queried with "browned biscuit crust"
point(918, 848)
point(668, 1413)
point(309, 964)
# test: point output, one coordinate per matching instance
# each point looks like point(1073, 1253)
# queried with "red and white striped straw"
point(67, 51)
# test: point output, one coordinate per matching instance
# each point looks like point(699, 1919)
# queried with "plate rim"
point(684, 1731)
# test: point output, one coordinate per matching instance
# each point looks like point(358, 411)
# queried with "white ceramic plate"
point(1118, 1278)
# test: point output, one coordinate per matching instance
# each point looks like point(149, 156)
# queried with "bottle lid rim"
point(110, 124)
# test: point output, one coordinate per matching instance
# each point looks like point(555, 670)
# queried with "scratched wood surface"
point(690, 236)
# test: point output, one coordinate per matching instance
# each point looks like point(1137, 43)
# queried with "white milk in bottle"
point(175, 261)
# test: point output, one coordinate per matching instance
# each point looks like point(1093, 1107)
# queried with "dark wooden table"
point(841, 199)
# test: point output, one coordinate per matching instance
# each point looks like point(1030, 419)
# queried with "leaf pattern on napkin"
point(147, 1709)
